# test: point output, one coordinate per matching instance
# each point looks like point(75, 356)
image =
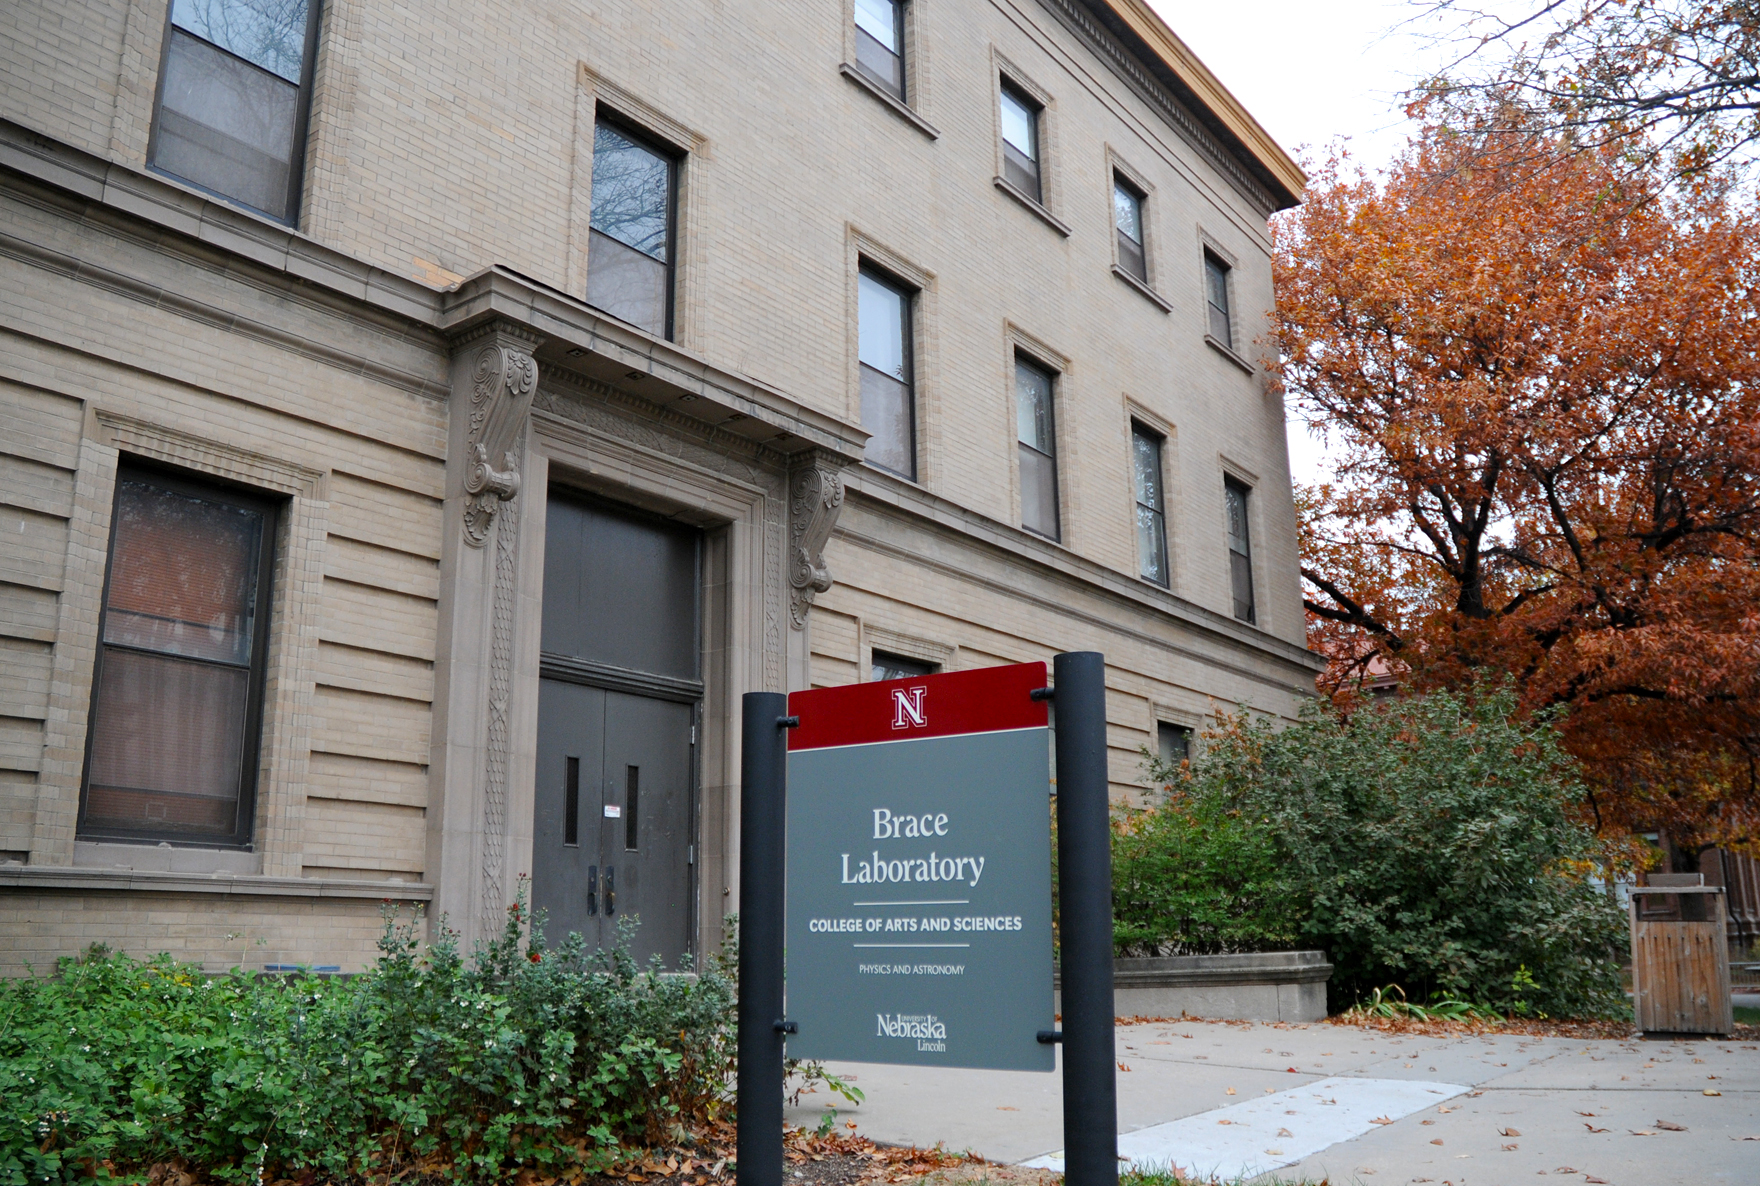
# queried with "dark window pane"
point(632, 192)
point(1240, 551)
point(880, 20)
point(168, 749)
point(880, 64)
point(271, 33)
point(226, 125)
point(1032, 396)
point(1151, 517)
point(183, 578)
point(1020, 172)
point(1216, 295)
point(1038, 492)
point(1131, 258)
point(888, 415)
point(626, 284)
point(887, 666)
point(1173, 743)
point(1127, 214)
point(1020, 125)
point(883, 349)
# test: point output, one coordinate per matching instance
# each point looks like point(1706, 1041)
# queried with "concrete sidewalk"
point(1571, 1108)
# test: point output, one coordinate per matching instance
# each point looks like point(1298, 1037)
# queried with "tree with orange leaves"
point(1540, 371)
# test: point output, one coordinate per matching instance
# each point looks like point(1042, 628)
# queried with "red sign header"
point(986, 700)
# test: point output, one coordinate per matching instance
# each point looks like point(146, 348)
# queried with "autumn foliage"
point(1541, 373)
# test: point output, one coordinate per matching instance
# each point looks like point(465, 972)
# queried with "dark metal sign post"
point(1084, 872)
point(917, 859)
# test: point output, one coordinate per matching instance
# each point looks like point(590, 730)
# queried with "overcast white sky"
point(1310, 73)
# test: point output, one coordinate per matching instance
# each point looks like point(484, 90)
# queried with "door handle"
point(592, 889)
point(610, 890)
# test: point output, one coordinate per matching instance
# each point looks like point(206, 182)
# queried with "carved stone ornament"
point(501, 396)
point(815, 497)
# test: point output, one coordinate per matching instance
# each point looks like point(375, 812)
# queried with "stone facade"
point(410, 368)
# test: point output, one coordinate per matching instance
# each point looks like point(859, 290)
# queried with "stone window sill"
point(1217, 344)
point(1149, 294)
point(157, 881)
point(893, 104)
point(1049, 219)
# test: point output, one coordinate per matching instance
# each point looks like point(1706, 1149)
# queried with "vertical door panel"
point(571, 724)
point(647, 747)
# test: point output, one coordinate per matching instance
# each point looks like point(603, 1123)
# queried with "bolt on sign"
point(918, 918)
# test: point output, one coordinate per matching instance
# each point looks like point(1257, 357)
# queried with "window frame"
point(296, 171)
point(1140, 429)
point(1164, 727)
point(874, 656)
point(901, 16)
point(1053, 375)
point(911, 295)
point(675, 158)
point(1122, 183)
point(1225, 271)
point(1231, 484)
point(273, 510)
point(1009, 88)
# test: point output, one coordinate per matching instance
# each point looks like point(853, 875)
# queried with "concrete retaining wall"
point(1260, 986)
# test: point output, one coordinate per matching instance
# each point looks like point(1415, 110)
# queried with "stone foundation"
point(1259, 986)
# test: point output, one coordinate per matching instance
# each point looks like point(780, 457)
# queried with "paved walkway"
point(1305, 1101)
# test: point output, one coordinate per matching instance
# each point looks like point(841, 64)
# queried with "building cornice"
point(1130, 36)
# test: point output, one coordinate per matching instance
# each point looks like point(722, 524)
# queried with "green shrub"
point(1429, 842)
point(524, 1056)
point(1196, 876)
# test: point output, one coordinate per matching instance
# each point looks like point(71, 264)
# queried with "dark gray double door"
point(617, 719)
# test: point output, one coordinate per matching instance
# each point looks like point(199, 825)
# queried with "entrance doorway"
point(618, 706)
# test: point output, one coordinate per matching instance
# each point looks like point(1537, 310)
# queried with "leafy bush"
point(552, 1059)
point(1196, 876)
point(1426, 842)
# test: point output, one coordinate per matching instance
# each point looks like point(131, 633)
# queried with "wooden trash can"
point(1680, 958)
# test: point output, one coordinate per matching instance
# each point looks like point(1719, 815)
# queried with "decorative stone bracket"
point(505, 381)
point(815, 497)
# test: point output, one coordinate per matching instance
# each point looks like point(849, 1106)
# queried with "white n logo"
point(907, 708)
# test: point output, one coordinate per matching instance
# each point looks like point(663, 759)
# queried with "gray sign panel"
point(919, 901)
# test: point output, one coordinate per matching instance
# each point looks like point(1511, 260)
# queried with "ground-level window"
point(632, 240)
point(1173, 743)
point(883, 351)
point(234, 93)
point(1240, 550)
point(1037, 434)
point(177, 699)
point(889, 666)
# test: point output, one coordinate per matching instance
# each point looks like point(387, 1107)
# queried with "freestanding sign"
point(918, 884)
point(918, 890)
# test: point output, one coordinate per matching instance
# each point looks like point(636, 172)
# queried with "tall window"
point(880, 43)
point(1216, 297)
point(631, 241)
point(1037, 433)
point(1240, 550)
point(234, 89)
point(1020, 142)
point(884, 353)
point(176, 707)
point(887, 666)
point(1151, 509)
point(1127, 217)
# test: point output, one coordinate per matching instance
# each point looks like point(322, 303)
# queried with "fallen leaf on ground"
point(1381, 1120)
point(1231, 1091)
point(1437, 1141)
point(1643, 1132)
point(1592, 1128)
point(1275, 1152)
point(1708, 1091)
point(1284, 1132)
point(1585, 1113)
point(1591, 1178)
point(1509, 1132)
point(1671, 1126)
point(1564, 1169)
point(1509, 1148)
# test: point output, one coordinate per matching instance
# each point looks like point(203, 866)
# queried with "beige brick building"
point(423, 422)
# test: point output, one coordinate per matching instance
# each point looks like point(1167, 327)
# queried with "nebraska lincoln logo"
point(907, 708)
